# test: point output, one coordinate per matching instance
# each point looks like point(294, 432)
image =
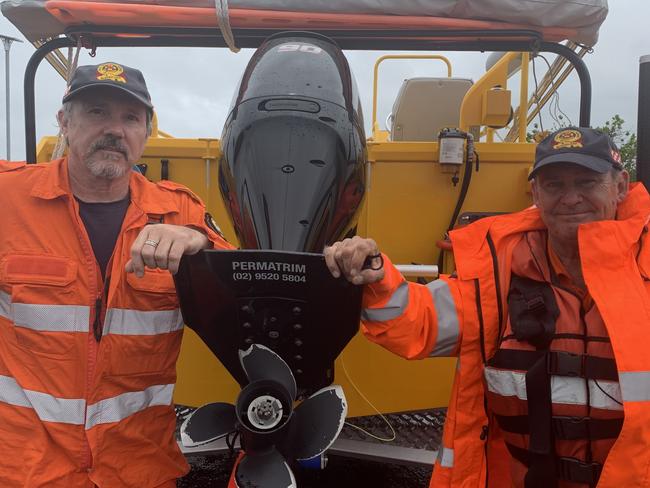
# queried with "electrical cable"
point(551, 105)
point(467, 178)
point(607, 394)
point(556, 98)
point(230, 442)
point(383, 417)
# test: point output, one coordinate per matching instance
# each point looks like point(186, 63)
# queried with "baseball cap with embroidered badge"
point(583, 146)
point(129, 80)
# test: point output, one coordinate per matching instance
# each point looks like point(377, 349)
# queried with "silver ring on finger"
point(151, 242)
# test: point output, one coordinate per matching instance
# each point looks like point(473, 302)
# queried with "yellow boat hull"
point(407, 209)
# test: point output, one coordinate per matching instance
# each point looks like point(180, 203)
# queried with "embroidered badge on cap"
point(616, 156)
point(567, 139)
point(111, 72)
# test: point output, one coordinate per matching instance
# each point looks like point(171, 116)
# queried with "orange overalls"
point(77, 411)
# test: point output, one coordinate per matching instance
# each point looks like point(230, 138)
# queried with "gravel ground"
point(214, 471)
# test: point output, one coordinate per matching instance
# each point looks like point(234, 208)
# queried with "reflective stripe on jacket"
point(77, 412)
point(410, 320)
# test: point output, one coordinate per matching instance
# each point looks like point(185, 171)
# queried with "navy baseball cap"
point(114, 75)
point(583, 146)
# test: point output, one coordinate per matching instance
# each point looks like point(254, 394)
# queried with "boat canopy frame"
point(503, 40)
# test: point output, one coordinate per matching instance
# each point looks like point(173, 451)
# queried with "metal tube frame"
point(6, 42)
point(7, 45)
point(643, 123)
point(30, 95)
point(523, 96)
point(413, 40)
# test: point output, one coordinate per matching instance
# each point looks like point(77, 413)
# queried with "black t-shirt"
point(103, 221)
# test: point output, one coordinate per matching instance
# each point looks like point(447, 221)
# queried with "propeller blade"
point(261, 363)
point(316, 423)
point(208, 423)
point(267, 470)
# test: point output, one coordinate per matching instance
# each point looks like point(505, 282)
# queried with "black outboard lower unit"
point(276, 321)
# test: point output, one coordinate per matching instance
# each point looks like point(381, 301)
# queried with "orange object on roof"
point(71, 13)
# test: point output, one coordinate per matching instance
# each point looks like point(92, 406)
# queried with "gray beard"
point(106, 170)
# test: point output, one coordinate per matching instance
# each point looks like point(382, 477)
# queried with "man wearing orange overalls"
point(548, 312)
point(90, 326)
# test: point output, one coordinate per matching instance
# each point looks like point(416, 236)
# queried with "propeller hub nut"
point(265, 412)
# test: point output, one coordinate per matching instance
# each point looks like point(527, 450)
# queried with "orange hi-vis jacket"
point(79, 412)
point(464, 316)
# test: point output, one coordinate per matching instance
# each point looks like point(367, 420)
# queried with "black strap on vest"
point(566, 428)
point(559, 363)
point(541, 446)
point(567, 469)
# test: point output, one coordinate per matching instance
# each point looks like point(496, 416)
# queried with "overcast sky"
point(192, 88)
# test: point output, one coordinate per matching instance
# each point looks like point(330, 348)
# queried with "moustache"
point(109, 145)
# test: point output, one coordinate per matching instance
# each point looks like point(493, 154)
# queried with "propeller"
point(208, 423)
point(273, 433)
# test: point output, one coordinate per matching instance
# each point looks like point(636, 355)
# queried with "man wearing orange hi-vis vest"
point(90, 326)
point(548, 312)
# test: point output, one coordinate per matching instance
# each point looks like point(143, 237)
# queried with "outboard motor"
point(293, 178)
point(292, 172)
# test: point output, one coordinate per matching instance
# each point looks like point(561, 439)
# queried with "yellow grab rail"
point(375, 126)
point(523, 97)
point(496, 76)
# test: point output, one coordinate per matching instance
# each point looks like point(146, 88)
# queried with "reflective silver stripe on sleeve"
point(393, 308)
point(603, 394)
point(123, 321)
point(635, 386)
point(122, 406)
point(5, 305)
point(446, 457)
point(448, 327)
point(46, 318)
point(48, 408)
